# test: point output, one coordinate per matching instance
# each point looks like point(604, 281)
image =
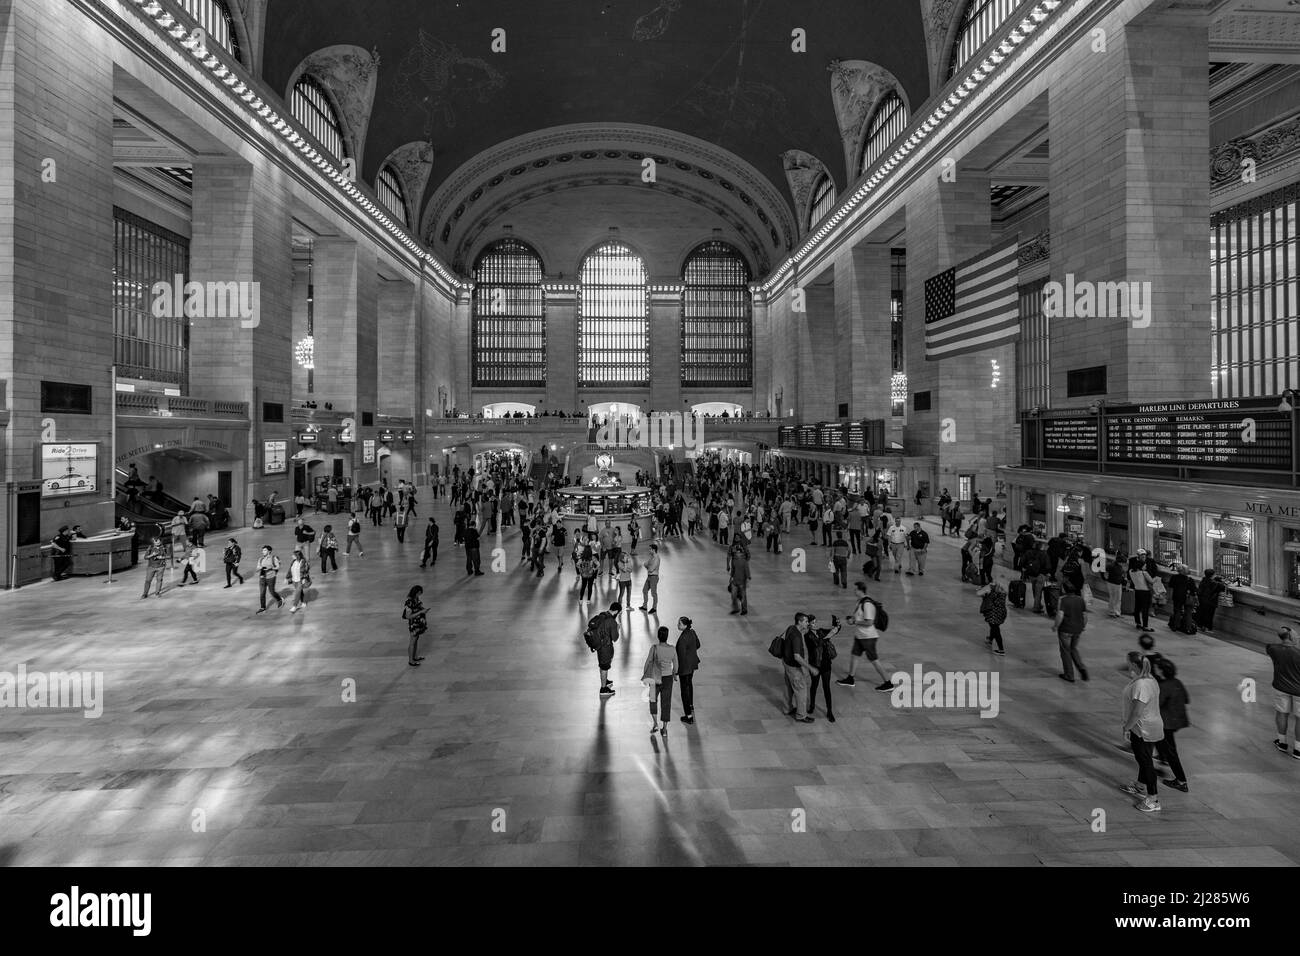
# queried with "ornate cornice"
point(1264, 147)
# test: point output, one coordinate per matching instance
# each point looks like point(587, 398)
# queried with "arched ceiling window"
point(717, 319)
point(509, 328)
point(613, 319)
point(312, 108)
point(214, 17)
point(388, 187)
point(887, 124)
point(980, 21)
point(823, 200)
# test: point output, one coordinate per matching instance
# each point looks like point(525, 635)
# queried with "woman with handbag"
point(1141, 583)
point(820, 649)
point(1210, 593)
point(657, 676)
point(993, 608)
point(415, 614)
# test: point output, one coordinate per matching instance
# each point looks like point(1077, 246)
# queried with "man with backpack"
point(601, 635)
point(870, 619)
point(328, 550)
point(1057, 549)
point(798, 672)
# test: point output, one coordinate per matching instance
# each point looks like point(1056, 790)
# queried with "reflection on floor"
point(225, 738)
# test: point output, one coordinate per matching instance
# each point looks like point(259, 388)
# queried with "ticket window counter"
point(1114, 523)
point(1037, 503)
point(1291, 561)
point(1231, 542)
point(1072, 512)
point(1168, 536)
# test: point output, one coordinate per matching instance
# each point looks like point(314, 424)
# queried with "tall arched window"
point(613, 319)
point(978, 24)
point(388, 187)
point(887, 124)
point(509, 330)
point(823, 200)
point(214, 17)
point(312, 108)
point(717, 319)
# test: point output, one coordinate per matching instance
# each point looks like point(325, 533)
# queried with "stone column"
point(862, 330)
point(666, 346)
point(561, 346)
point(817, 351)
point(1131, 204)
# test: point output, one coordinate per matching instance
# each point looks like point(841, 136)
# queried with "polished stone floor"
point(225, 738)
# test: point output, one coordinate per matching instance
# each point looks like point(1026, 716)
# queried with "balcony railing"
point(178, 406)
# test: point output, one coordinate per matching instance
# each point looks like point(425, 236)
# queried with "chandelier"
point(305, 352)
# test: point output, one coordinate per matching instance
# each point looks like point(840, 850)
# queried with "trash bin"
point(275, 515)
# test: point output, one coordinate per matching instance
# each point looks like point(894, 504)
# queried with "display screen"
point(69, 469)
point(1070, 438)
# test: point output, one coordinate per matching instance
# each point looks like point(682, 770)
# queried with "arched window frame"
point(613, 318)
point(508, 333)
point(887, 123)
point(314, 109)
point(217, 21)
point(388, 188)
point(980, 20)
point(717, 318)
point(823, 200)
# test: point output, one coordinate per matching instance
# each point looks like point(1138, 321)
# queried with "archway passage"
point(508, 410)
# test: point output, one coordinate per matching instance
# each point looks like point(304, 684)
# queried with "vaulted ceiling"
point(720, 72)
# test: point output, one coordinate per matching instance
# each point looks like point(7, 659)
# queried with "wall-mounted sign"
point(69, 469)
point(348, 433)
point(308, 438)
point(408, 436)
point(386, 436)
point(275, 456)
point(368, 451)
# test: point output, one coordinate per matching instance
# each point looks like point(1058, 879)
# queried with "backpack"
point(559, 536)
point(882, 617)
point(590, 635)
point(777, 647)
point(257, 524)
point(354, 527)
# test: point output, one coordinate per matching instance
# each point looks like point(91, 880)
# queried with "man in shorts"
point(864, 640)
point(1286, 689)
point(605, 626)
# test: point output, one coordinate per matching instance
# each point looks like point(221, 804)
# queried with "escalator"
point(150, 515)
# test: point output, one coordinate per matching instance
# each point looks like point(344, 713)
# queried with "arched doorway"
point(508, 409)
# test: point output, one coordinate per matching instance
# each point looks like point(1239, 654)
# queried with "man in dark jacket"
point(688, 662)
point(1033, 566)
point(1179, 587)
point(1057, 549)
point(472, 556)
point(604, 627)
point(738, 565)
point(430, 555)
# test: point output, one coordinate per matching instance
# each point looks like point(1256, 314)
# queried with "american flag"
point(973, 306)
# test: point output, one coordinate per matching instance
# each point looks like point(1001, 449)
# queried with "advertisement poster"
point(368, 451)
point(69, 469)
point(276, 454)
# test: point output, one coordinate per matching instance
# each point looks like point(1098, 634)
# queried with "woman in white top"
point(1141, 582)
point(299, 577)
point(660, 667)
point(1143, 727)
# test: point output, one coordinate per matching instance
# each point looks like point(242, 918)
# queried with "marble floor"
point(225, 737)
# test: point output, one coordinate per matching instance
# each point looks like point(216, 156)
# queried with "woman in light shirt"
point(1140, 579)
point(1143, 727)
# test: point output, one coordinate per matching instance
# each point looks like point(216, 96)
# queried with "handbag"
point(1158, 592)
point(1226, 599)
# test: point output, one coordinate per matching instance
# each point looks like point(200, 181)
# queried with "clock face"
point(604, 461)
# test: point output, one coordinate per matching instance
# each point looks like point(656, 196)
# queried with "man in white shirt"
point(897, 543)
point(651, 586)
point(858, 524)
point(864, 640)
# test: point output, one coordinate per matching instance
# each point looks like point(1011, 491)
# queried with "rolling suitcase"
point(1051, 599)
point(1016, 593)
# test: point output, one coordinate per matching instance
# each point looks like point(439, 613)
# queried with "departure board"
point(1202, 439)
point(857, 437)
point(831, 437)
point(1070, 438)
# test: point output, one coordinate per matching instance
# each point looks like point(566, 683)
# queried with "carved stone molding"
point(1264, 147)
point(803, 171)
point(350, 73)
point(1036, 248)
point(857, 88)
